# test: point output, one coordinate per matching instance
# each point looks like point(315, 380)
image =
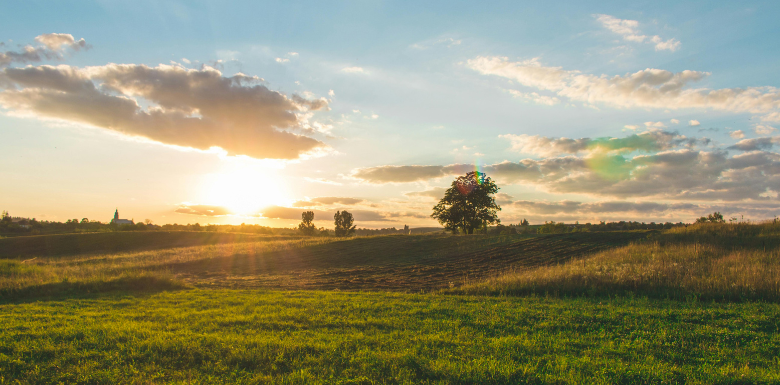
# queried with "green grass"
point(399, 262)
point(710, 261)
point(694, 305)
point(312, 337)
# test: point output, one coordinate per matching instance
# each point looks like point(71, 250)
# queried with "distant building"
point(21, 222)
point(117, 221)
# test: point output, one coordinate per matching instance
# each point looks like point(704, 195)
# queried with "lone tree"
point(468, 204)
point(306, 227)
point(344, 220)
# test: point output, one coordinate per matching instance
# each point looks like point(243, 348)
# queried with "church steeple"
point(116, 214)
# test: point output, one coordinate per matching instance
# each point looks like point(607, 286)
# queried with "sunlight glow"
point(244, 191)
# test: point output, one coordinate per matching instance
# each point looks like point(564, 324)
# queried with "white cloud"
point(694, 123)
point(674, 121)
point(281, 60)
point(353, 70)
point(631, 126)
point(331, 93)
point(629, 29)
point(292, 53)
point(738, 134)
point(323, 181)
point(61, 41)
point(648, 88)
point(185, 60)
point(655, 124)
point(536, 98)
point(762, 129)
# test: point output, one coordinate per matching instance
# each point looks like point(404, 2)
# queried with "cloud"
point(651, 140)
point(331, 93)
point(655, 124)
point(762, 129)
point(52, 46)
point(674, 121)
point(572, 207)
point(323, 181)
point(279, 212)
point(738, 134)
point(629, 29)
point(648, 88)
point(204, 210)
point(192, 108)
point(398, 174)
point(328, 201)
point(435, 193)
point(61, 41)
point(504, 199)
point(693, 123)
point(281, 60)
point(353, 70)
point(755, 144)
point(686, 174)
point(536, 98)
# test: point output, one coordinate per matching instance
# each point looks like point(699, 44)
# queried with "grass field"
point(321, 337)
point(688, 305)
point(710, 261)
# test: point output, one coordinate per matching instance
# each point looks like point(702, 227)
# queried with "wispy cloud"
point(354, 70)
point(648, 88)
point(629, 30)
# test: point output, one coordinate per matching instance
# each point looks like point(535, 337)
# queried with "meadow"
point(697, 304)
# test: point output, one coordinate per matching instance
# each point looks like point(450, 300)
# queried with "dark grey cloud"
point(755, 144)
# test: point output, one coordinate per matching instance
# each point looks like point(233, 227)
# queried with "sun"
point(244, 192)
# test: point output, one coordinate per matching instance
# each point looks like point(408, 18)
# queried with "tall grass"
point(707, 261)
point(50, 275)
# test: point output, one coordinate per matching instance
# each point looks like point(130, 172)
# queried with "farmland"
point(686, 305)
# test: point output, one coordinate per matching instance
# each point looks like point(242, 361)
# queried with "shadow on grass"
point(54, 291)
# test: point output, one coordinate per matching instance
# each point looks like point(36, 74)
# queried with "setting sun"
point(244, 191)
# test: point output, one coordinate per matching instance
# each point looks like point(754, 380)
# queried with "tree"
point(344, 221)
point(468, 204)
point(306, 227)
point(715, 217)
point(524, 222)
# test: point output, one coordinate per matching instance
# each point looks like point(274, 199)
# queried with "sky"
point(252, 112)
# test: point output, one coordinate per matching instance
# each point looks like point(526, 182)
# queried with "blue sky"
point(405, 85)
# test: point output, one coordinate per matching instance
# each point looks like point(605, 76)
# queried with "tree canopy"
point(468, 204)
point(306, 227)
point(344, 221)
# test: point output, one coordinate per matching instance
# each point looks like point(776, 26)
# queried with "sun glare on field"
point(244, 191)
